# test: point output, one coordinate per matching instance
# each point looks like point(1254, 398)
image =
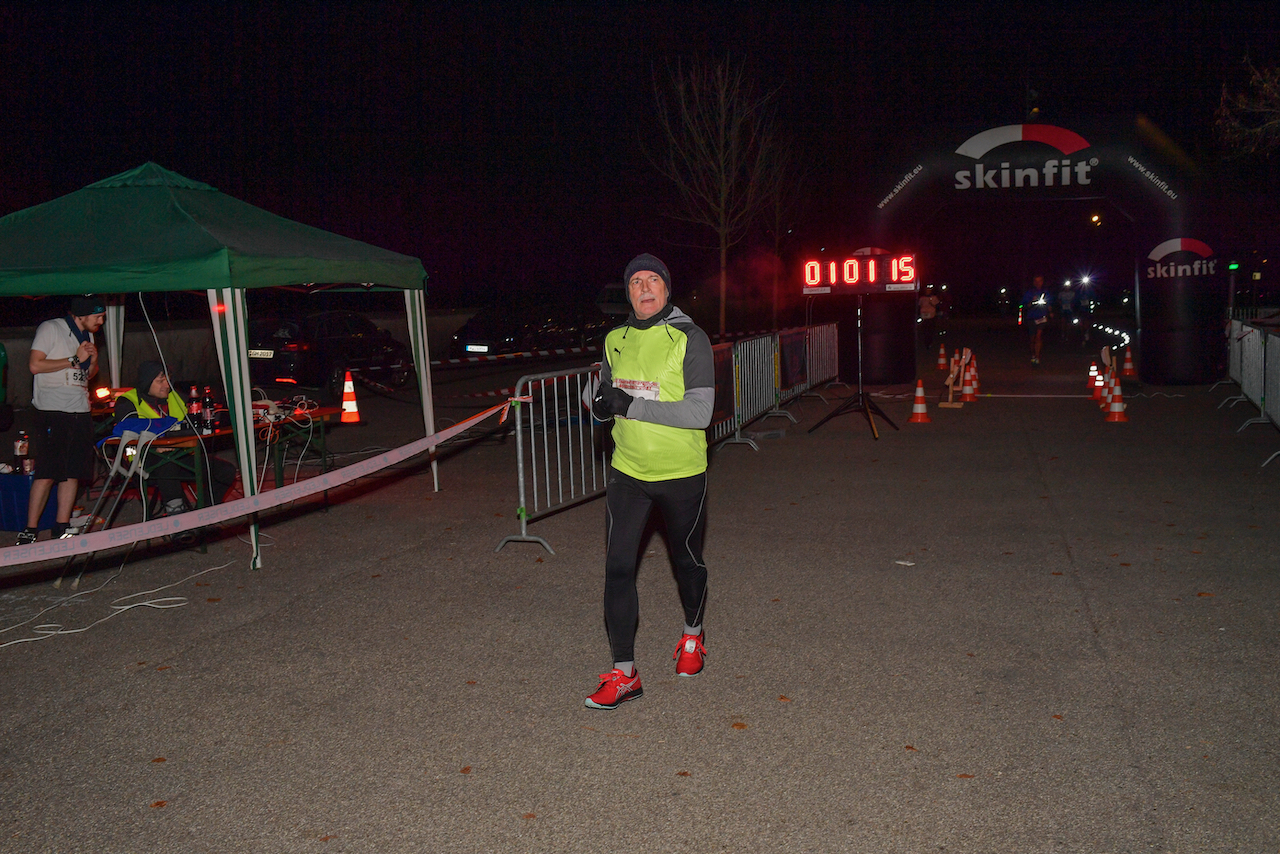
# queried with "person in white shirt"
point(63, 360)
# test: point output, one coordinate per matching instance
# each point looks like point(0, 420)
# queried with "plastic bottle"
point(194, 407)
point(210, 409)
point(22, 453)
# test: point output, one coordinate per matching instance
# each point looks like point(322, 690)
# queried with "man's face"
point(648, 293)
point(1038, 282)
point(160, 387)
point(92, 322)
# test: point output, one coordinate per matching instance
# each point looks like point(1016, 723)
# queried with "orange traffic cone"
point(966, 391)
point(1115, 412)
point(1093, 377)
point(919, 412)
point(1128, 370)
point(1108, 389)
point(942, 357)
point(1099, 383)
point(350, 412)
point(973, 366)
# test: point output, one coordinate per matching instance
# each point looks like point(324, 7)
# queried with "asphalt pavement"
point(1017, 628)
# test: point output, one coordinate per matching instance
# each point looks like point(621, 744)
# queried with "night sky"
point(504, 143)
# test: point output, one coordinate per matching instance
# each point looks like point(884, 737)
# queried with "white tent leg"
point(115, 341)
point(415, 304)
point(230, 324)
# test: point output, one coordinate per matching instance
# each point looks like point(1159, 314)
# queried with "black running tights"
point(628, 504)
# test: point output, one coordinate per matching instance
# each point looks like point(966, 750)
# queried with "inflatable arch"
point(1178, 279)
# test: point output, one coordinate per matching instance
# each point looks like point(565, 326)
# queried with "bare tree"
point(1248, 123)
point(720, 135)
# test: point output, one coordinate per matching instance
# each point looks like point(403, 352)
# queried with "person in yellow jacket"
point(657, 384)
point(154, 397)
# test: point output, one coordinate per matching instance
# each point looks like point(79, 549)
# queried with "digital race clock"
point(860, 273)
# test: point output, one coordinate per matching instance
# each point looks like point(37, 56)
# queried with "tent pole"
point(115, 340)
point(415, 305)
point(230, 323)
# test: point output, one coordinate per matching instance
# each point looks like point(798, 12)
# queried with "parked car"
point(495, 331)
point(316, 350)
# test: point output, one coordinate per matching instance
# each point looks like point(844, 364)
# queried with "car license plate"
point(262, 354)
point(477, 348)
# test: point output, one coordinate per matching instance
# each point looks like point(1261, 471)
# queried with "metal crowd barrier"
point(1253, 369)
point(1271, 383)
point(1255, 313)
point(740, 370)
point(823, 347)
point(769, 371)
point(1233, 350)
point(754, 373)
point(791, 366)
point(561, 454)
point(724, 416)
point(1254, 363)
point(807, 357)
point(1235, 332)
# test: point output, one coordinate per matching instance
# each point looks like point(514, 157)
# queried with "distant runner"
point(1036, 311)
point(1066, 310)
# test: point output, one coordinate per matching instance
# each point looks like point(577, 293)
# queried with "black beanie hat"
point(86, 305)
point(645, 261)
point(147, 373)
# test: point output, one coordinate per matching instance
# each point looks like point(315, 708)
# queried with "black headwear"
point(87, 305)
point(147, 373)
point(645, 261)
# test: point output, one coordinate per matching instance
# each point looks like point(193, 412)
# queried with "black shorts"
point(62, 444)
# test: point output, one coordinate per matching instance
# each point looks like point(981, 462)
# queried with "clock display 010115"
point(865, 274)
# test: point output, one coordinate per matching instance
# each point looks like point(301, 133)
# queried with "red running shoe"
point(615, 689)
point(689, 655)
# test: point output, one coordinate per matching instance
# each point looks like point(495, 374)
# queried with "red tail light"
point(296, 347)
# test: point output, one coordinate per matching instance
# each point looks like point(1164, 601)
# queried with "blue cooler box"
point(15, 490)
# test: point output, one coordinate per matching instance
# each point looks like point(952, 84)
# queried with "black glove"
point(609, 402)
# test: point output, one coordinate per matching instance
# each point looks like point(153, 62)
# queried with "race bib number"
point(76, 377)
point(638, 388)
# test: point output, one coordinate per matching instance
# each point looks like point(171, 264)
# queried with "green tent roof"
point(150, 229)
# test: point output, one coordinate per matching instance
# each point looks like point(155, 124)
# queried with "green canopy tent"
point(150, 229)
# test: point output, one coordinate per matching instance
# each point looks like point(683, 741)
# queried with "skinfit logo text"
point(1205, 265)
point(1181, 271)
point(1055, 173)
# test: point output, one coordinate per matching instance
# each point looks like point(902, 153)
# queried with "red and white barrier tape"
point(502, 392)
point(190, 521)
point(527, 354)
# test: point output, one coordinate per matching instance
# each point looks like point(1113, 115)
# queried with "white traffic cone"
point(1115, 412)
point(967, 394)
point(350, 412)
point(919, 411)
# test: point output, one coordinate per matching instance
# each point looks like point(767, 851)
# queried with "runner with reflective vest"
point(657, 384)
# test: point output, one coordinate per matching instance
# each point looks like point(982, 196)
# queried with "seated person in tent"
point(155, 398)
